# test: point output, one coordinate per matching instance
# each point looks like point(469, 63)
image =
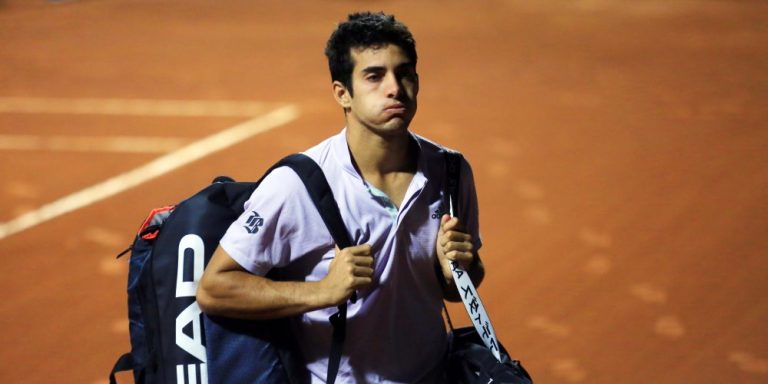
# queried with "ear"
point(341, 94)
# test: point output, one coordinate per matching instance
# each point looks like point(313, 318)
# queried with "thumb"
point(443, 220)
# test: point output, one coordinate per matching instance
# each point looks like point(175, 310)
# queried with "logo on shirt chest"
point(439, 211)
point(253, 223)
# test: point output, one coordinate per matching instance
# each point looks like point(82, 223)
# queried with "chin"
point(394, 127)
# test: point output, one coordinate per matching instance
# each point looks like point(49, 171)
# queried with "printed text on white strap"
point(473, 305)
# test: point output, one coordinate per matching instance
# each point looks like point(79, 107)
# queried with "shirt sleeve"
point(265, 235)
point(468, 206)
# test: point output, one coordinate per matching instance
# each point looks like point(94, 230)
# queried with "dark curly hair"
point(364, 30)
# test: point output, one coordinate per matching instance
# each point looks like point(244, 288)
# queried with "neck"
point(375, 154)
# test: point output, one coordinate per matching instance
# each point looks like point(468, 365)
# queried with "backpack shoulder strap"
point(317, 185)
point(453, 175)
point(322, 196)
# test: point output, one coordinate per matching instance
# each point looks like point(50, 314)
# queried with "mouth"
point(396, 109)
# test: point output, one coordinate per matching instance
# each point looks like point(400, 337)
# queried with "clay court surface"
point(620, 150)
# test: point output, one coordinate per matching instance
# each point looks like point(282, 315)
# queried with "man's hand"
point(453, 244)
point(351, 269)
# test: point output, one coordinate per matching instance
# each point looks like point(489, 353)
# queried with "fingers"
point(362, 271)
point(360, 250)
point(463, 258)
point(453, 244)
point(454, 237)
point(361, 282)
point(448, 223)
point(356, 250)
point(457, 251)
point(350, 270)
point(357, 255)
point(363, 261)
point(451, 231)
point(444, 219)
point(455, 241)
point(456, 246)
point(357, 259)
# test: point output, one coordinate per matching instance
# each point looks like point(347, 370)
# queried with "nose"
point(393, 86)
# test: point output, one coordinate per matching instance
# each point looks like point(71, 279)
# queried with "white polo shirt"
point(395, 331)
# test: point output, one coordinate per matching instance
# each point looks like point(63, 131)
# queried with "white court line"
point(129, 144)
point(151, 170)
point(135, 107)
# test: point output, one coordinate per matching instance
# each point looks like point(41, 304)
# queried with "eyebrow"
point(378, 68)
point(374, 69)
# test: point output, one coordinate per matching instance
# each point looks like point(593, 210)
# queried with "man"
point(389, 186)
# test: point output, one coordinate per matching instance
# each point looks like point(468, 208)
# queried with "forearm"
point(227, 289)
point(239, 294)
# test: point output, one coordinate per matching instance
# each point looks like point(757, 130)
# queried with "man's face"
point(385, 85)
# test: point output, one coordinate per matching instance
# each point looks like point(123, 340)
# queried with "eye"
point(408, 75)
point(373, 77)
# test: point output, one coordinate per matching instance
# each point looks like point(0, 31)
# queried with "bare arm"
point(227, 289)
point(453, 244)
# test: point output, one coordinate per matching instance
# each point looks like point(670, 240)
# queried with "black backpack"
point(172, 341)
